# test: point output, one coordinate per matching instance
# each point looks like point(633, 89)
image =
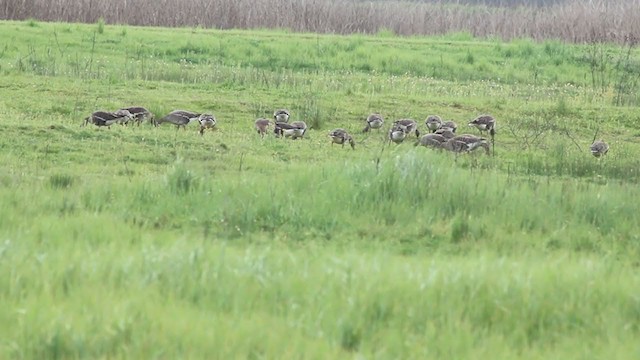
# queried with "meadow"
point(145, 242)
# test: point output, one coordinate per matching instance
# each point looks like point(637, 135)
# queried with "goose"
point(408, 125)
point(432, 140)
point(599, 148)
point(262, 126)
point(397, 133)
point(433, 122)
point(207, 121)
point(484, 123)
point(447, 133)
point(449, 125)
point(341, 136)
point(466, 143)
point(139, 114)
point(179, 118)
point(295, 130)
point(106, 118)
point(281, 115)
point(374, 121)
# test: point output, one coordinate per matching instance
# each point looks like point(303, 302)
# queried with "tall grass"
point(86, 296)
point(572, 21)
point(346, 258)
point(416, 193)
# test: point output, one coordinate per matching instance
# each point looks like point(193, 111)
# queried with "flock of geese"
point(442, 133)
point(138, 115)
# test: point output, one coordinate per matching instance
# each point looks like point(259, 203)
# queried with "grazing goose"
point(466, 143)
point(432, 140)
point(207, 121)
point(341, 136)
point(433, 122)
point(139, 114)
point(397, 133)
point(484, 123)
point(179, 118)
point(447, 133)
point(449, 125)
point(106, 118)
point(262, 126)
point(408, 125)
point(281, 115)
point(295, 130)
point(374, 121)
point(599, 148)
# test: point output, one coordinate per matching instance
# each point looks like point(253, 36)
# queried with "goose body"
point(408, 125)
point(341, 136)
point(433, 122)
point(374, 121)
point(484, 123)
point(207, 121)
point(179, 118)
point(139, 114)
point(447, 133)
point(432, 140)
point(107, 118)
point(397, 133)
point(281, 115)
point(449, 125)
point(262, 126)
point(466, 143)
point(295, 130)
point(599, 148)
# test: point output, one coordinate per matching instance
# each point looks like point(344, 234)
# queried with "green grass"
point(143, 242)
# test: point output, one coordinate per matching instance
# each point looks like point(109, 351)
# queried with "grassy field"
point(144, 242)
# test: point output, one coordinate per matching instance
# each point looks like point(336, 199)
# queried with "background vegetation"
point(569, 20)
point(143, 242)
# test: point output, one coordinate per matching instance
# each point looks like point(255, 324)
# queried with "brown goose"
point(179, 118)
point(341, 136)
point(432, 140)
point(433, 122)
point(599, 148)
point(449, 125)
point(374, 121)
point(281, 115)
point(106, 118)
point(262, 126)
point(408, 125)
point(484, 123)
point(466, 143)
point(139, 114)
point(397, 133)
point(446, 132)
point(207, 121)
point(295, 130)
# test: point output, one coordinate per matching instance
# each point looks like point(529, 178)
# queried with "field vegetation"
point(145, 242)
point(574, 21)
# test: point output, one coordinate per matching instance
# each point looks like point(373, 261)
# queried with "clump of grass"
point(61, 181)
point(100, 24)
point(182, 181)
point(469, 58)
point(385, 32)
point(562, 107)
point(459, 228)
point(311, 112)
point(32, 22)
